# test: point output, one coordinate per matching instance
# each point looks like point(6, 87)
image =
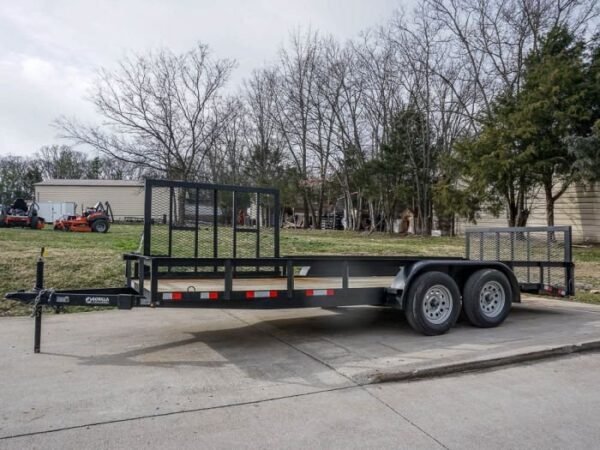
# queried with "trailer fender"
point(458, 270)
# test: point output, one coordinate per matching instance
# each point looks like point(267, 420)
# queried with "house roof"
point(115, 183)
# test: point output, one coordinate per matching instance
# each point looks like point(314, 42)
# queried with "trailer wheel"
point(433, 303)
point(100, 226)
point(487, 298)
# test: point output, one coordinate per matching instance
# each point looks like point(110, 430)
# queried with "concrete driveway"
point(146, 364)
point(513, 407)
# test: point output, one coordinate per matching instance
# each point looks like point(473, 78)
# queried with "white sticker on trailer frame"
point(319, 292)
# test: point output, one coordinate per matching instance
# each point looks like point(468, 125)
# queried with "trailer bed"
point(274, 283)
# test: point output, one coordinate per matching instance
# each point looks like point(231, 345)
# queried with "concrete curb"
point(480, 364)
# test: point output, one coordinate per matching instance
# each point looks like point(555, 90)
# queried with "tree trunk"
point(306, 211)
point(357, 213)
point(522, 218)
point(320, 208)
point(372, 217)
point(512, 216)
point(522, 212)
point(549, 205)
point(180, 213)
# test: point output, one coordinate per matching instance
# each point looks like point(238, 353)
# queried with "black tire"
point(100, 226)
point(34, 222)
point(487, 298)
point(432, 290)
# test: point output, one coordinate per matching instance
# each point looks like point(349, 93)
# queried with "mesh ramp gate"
point(540, 257)
point(197, 220)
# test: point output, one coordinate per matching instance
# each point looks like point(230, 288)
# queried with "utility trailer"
point(217, 246)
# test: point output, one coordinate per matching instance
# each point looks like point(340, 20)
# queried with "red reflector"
point(250, 294)
point(273, 294)
point(310, 293)
point(176, 296)
point(213, 296)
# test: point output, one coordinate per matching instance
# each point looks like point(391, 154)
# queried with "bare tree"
point(229, 152)
point(423, 74)
point(17, 178)
point(345, 97)
point(489, 40)
point(265, 158)
point(61, 162)
point(160, 111)
point(297, 82)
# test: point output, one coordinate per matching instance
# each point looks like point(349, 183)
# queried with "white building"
point(126, 198)
point(578, 207)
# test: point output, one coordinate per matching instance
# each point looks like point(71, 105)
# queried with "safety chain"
point(39, 297)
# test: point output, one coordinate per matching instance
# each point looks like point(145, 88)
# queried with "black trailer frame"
point(534, 260)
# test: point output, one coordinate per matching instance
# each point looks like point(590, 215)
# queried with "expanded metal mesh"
point(526, 250)
point(187, 220)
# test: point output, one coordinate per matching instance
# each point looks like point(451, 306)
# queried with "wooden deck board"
point(251, 284)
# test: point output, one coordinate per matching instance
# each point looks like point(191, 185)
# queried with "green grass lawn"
point(76, 260)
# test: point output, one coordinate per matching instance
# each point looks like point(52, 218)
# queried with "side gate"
point(540, 257)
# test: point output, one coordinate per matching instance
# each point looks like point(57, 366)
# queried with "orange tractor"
point(97, 219)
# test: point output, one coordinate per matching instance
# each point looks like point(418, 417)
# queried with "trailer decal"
point(261, 294)
point(97, 300)
point(178, 296)
point(320, 292)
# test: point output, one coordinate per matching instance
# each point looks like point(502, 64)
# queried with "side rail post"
point(37, 308)
point(570, 267)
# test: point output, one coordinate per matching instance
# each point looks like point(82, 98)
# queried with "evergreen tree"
point(496, 164)
point(585, 146)
point(525, 144)
point(551, 107)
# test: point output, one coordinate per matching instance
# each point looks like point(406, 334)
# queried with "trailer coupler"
point(121, 297)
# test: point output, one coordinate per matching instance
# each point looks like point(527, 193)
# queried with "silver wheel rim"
point(100, 227)
point(492, 299)
point(437, 304)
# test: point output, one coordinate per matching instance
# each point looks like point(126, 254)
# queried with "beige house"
point(126, 198)
point(578, 207)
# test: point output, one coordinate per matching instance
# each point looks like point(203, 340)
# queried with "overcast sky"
point(49, 50)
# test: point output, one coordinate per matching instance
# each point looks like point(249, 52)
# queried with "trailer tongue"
point(215, 246)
